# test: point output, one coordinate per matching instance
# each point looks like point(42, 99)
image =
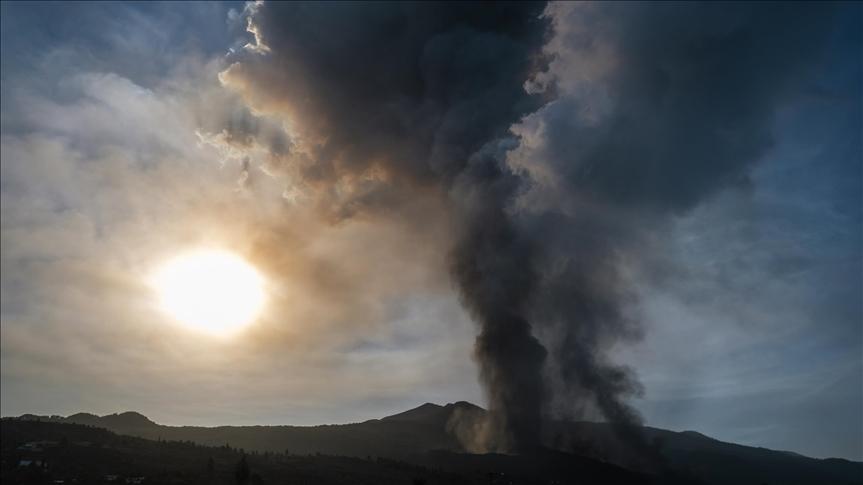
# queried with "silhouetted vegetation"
point(242, 472)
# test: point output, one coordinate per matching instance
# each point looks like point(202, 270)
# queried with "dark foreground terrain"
point(416, 447)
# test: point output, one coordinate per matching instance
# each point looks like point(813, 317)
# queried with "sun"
point(214, 291)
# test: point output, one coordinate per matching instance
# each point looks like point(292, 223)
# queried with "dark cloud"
point(658, 108)
point(393, 97)
point(688, 95)
point(413, 89)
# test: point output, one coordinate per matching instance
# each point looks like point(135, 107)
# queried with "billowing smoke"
point(494, 265)
point(389, 99)
point(657, 108)
point(560, 137)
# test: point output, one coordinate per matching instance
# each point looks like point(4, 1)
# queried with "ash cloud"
point(658, 107)
point(384, 99)
point(559, 140)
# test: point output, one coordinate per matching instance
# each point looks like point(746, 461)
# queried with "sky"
point(634, 212)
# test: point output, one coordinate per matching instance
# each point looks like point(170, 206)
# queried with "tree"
point(242, 471)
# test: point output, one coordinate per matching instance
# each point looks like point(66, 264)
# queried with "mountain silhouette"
point(127, 421)
point(428, 435)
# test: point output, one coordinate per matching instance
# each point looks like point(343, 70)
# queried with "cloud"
point(660, 106)
point(396, 103)
point(104, 178)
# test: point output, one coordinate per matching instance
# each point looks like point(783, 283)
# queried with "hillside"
point(427, 433)
point(413, 432)
point(50, 452)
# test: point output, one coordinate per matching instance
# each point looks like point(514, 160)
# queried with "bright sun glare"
point(210, 290)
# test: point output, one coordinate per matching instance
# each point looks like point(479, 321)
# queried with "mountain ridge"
point(430, 430)
point(423, 411)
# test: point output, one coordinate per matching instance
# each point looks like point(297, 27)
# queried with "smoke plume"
point(559, 137)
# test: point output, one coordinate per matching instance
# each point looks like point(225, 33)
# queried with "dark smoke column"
point(493, 266)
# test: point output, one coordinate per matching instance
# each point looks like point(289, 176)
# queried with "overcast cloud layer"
point(736, 276)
